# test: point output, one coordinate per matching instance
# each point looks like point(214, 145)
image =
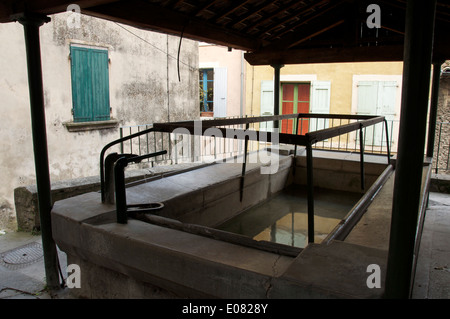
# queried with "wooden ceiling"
point(271, 31)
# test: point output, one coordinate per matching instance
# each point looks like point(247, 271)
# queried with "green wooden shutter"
point(100, 85)
point(80, 84)
point(90, 84)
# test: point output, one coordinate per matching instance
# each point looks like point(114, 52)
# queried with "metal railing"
point(215, 148)
point(441, 157)
point(239, 130)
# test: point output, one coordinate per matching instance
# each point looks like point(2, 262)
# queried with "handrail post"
point(244, 164)
point(295, 147)
point(438, 148)
point(361, 156)
point(388, 147)
point(310, 187)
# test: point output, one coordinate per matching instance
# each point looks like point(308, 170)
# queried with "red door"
point(295, 99)
point(304, 90)
point(287, 107)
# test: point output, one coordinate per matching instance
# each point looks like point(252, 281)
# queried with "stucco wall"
point(219, 56)
point(144, 88)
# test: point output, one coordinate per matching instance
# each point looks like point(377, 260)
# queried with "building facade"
point(222, 81)
point(337, 88)
point(98, 75)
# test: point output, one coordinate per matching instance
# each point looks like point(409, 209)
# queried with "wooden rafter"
point(205, 7)
point(304, 21)
point(327, 55)
point(269, 17)
point(228, 11)
point(252, 12)
point(304, 35)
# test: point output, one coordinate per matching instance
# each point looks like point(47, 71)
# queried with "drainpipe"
point(276, 93)
point(408, 172)
point(433, 107)
point(31, 24)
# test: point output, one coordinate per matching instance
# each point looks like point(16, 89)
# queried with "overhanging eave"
point(327, 55)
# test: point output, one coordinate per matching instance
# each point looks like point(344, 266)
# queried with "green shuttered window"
point(90, 84)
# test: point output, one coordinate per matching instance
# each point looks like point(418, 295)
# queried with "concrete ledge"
point(185, 264)
point(26, 202)
point(440, 183)
point(373, 229)
point(25, 198)
point(89, 126)
point(336, 270)
point(178, 265)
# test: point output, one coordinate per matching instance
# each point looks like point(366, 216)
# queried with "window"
point(213, 92)
point(90, 84)
point(206, 90)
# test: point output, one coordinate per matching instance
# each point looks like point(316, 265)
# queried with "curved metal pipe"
point(106, 147)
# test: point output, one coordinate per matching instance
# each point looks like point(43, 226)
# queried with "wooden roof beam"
point(327, 55)
point(156, 18)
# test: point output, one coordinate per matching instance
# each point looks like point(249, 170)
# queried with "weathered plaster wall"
point(144, 88)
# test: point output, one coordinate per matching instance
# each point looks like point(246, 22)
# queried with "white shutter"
point(220, 92)
point(267, 106)
point(367, 97)
point(376, 98)
point(320, 103)
point(388, 99)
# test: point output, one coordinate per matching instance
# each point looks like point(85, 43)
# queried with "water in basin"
point(283, 218)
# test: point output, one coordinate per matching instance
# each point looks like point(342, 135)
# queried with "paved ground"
point(22, 274)
point(432, 279)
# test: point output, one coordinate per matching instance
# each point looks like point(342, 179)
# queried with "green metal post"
point(409, 166)
point(31, 24)
point(310, 187)
point(361, 156)
point(276, 93)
